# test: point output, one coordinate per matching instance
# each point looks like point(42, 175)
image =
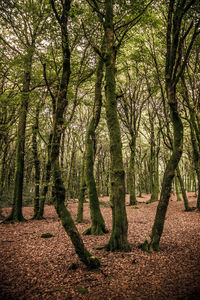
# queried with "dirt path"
point(32, 267)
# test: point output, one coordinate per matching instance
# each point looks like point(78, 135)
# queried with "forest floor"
point(32, 267)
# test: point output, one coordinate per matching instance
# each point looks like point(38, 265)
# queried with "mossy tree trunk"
point(152, 243)
point(16, 213)
point(176, 182)
point(196, 155)
point(69, 179)
point(154, 176)
point(36, 159)
point(61, 104)
point(81, 198)
point(118, 239)
point(183, 191)
point(195, 135)
point(47, 180)
point(133, 200)
point(98, 225)
point(3, 167)
point(175, 65)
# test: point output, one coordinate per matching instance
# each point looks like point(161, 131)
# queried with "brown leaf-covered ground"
point(32, 267)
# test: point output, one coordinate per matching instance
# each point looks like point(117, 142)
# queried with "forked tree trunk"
point(118, 239)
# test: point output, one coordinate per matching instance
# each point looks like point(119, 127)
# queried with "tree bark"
point(81, 198)
point(154, 182)
point(36, 163)
point(152, 243)
point(174, 68)
point(47, 180)
point(61, 103)
point(98, 224)
point(118, 239)
point(133, 200)
point(185, 198)
point(176, 181)
point(16, 213)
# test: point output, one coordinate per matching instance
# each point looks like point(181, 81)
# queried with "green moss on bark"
point(16, 213)
point(118, 239)
point(98, 224)
point(133, 200)
point(81, 199)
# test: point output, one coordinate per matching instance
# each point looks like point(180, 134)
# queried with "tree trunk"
point(16, 214)
point(196, 157)
point(3, 168)
point(47, 180)
point(133, 200)
point(176, 179)
point(98, 225)
point(174, 68)
point(36, 163)
point(152, 243)
point(118, 239)
point(69, 179)
point(81, 198)
point(58, 187)
point(185, 199)
point(154, 176)
point(59, 195)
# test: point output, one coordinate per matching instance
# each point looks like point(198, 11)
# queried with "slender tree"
point(61, 104)
point(82, 190)
point(35, 129)
point(98, 225)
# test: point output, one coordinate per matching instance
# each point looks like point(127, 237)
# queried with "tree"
point(61, 104)
point(114, 36)
point(131, 104)
point(26, 27)
point(35, 129)
point(193, 118)
point(175, 65)
point(98, 225)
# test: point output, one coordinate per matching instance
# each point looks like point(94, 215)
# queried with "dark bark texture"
point(61, 104)
point(118, 239)
point(98, 225)
point(173, 71)
point(16, 214)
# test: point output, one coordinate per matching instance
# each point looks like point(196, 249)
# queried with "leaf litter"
point(32, 267)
